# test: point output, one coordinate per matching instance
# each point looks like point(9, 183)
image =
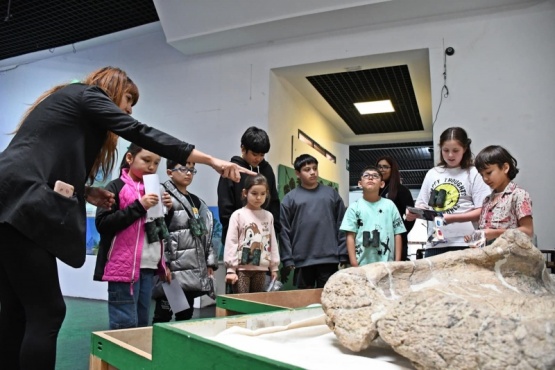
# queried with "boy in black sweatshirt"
point(310, 240)
point(255, 143)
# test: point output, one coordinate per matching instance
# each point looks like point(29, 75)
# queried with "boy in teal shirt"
point(372, 224)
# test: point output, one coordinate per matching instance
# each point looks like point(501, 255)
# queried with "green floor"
point(84, 316)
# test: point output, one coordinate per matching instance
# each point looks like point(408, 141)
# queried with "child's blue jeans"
point(126, 310)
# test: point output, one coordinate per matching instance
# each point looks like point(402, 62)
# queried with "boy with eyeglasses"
point(372, 224)
point(189, 253)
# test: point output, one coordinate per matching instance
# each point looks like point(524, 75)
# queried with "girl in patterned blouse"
point(508, 206)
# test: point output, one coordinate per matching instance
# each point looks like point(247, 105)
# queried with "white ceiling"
point(195, 27)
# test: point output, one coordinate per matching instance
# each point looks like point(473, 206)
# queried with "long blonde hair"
point(116, 84)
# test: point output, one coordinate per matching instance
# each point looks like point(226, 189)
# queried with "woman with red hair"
point(67, 136)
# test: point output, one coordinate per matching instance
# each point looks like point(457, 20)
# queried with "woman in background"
point(398, 193)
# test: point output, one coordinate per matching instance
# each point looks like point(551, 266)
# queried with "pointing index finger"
point(246, 171)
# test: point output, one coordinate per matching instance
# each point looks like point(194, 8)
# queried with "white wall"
point(500, 80)
point(79, 282)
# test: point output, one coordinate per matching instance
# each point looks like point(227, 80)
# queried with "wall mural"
point(93, 237)
point(287, 181)
point(217, 233)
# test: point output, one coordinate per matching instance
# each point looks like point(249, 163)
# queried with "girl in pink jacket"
point(133, 256)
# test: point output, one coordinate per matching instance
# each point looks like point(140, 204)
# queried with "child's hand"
point(167, 200)
point(409, 216)
point(274, 275)
point(231, 278)
point(476, 240)
point(168, 275)
point(490, 234)
point(149, 200)
point(210, 271)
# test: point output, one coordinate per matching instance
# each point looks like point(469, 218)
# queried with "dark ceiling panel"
point(342, 90)
point(414, 159)
point(30, 26)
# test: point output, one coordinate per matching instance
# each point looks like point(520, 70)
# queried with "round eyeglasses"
point(185, 170)
point(374, 176)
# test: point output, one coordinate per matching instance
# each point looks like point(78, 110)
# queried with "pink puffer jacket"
point(124, 257)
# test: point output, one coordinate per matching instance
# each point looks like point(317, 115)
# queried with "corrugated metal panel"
point(342, 90)
point(414, 159)
point(32, 26)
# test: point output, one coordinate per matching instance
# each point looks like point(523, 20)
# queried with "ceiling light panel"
point(342, 90)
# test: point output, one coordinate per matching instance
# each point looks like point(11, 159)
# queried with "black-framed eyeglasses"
point(374, 176)
point(383, 167)
point(185, 170)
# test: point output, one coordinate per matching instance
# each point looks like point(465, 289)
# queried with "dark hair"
point(133, 149)
point(259, 179)
point(256, 140)
point(495, 154)
point(170, 164)
point(303, 160)
point(371, 168)
point(394, 181)
point(460, 135)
